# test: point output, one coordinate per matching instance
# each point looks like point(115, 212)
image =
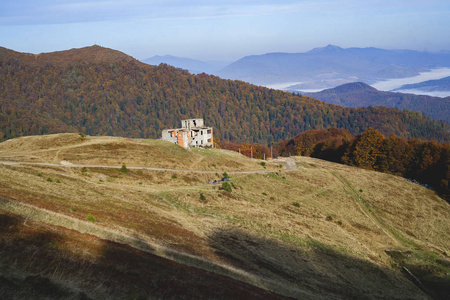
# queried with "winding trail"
point(290, 166)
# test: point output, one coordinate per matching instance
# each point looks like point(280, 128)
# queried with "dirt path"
point(66, 164)
point(358, 202)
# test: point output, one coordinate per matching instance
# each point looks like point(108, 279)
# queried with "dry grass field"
point(321, 231)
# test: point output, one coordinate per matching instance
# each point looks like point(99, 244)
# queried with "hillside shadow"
point(39, 261)
point(142, 275)
point(25, 261)
point(318, 271)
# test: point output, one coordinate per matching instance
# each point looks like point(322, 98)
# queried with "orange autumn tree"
point(365, 150)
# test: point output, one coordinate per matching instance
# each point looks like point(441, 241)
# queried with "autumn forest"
point(114, 94)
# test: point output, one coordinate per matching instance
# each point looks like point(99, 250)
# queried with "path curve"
point(290, 166)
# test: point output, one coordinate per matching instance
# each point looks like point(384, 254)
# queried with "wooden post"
point(251, 149)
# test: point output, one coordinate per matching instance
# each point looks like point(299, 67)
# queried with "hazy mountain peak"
point(327, 49)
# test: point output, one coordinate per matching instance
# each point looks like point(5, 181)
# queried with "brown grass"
point(342, 212)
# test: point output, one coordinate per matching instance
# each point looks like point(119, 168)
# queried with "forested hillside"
point(110, 93)
point(427, 162)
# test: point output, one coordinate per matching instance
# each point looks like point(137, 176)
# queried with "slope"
point(359, 94)
point(318, 232)
point(128, 98)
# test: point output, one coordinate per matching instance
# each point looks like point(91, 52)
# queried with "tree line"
point(428, 162)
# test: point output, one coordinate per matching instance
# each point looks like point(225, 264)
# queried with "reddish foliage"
point(427, 162)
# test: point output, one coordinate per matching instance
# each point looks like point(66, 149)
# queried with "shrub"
point(329, 218)
point(296, 204)
point(174, 176)
point(226, 187)
point(263, 163)
point(202, 197)
point(91, 218)
point(360, 190)
point(82, 135)
point(340, 223)
point(225, 174)
point(124, 169)
point(49, 179)
point(272, 198)
point(265, 194)
point(39, 174)
point(58, 181)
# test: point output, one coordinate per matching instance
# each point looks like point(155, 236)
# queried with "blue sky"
point(223, 30)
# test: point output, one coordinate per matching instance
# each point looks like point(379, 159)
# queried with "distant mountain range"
point(436, 85)
point(317, 69)
point(359, 94)
point(192, 65)
point(331, 66)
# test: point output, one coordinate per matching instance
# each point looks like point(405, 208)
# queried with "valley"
point(321, 230)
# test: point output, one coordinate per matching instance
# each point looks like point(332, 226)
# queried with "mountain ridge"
point(359, 94)
point(442, 84)
point(95, 54)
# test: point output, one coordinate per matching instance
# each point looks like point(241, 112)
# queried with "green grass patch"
point(91, 218)
point(124, 169)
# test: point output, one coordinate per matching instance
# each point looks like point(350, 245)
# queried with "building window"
point(209, 131)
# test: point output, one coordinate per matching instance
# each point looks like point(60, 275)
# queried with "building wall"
point(192, 134)
point(169, 135)
point(203, 137)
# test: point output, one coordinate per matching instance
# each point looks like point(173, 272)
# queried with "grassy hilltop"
point(93, 217)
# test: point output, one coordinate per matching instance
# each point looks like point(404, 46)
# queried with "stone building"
point(193, 133)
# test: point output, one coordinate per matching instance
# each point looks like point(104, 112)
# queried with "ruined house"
point(192, 133)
